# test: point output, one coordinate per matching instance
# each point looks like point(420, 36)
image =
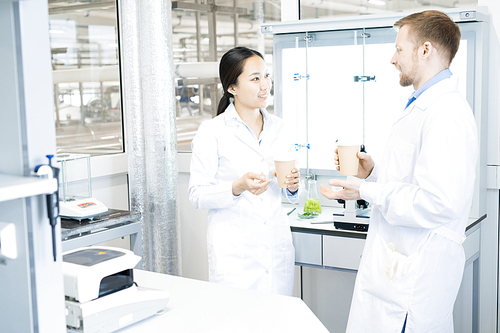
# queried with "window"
point(87, 100)
point(85, 59)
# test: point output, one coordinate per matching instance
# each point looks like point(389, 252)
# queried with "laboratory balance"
point(101, 295)
point(355, 214)
point(77, 202)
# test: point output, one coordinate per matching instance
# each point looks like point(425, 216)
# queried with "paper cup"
point(348, 160)
point(284, 165)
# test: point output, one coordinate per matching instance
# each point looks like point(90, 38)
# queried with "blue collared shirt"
point(444, 74)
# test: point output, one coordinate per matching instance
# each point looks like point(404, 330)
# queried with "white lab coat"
point(413, 259)
point(248, 237)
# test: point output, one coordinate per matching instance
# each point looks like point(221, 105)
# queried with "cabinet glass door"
point(384, 98)
point(343, 86)
point(320, 101)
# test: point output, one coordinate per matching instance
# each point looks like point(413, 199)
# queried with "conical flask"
point(312, 204)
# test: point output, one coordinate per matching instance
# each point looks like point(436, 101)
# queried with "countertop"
point(199, 306)
point(324, 222)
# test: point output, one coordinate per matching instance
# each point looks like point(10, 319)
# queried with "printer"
point(101, 295)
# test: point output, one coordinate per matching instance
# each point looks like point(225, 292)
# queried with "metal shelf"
point(15, 187)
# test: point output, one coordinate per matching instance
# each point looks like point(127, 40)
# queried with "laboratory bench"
point(200, 306)
point(319, 243)
point(327, 260)
point(110, 225)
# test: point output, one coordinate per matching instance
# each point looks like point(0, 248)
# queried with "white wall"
point(193, 228)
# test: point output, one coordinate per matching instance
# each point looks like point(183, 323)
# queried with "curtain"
point(150, 128)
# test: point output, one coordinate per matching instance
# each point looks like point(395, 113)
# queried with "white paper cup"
point(284, 164)
point(348, 160)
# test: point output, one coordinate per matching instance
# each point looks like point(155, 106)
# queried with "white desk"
point(198, 306)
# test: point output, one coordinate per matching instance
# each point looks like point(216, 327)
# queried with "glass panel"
point(194, 96)
point(384, 97)
point(190, 26)
point(319, 9)
point(334, 100)
point(87, 100)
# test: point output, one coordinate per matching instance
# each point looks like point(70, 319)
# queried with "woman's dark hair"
point(230, 67)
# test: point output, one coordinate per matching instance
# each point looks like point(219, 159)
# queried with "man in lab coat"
point(421, 191)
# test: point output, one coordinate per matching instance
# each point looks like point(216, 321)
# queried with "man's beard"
point(406, 80)
point(409, 78)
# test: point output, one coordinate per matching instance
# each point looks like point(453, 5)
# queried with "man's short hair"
point(435, 27)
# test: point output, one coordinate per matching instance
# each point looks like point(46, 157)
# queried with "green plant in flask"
point(312, 204)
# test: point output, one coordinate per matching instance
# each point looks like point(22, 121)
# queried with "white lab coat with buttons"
point(248, 237)
point(421, 195)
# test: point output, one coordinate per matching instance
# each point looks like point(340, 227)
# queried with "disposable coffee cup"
point(348, 159)
point(284, 164)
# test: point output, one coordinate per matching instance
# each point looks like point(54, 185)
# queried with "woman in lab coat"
point(248, 235)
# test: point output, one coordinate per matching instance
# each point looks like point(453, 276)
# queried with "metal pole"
point(307, 39)
point(236, 32)
point(198, 35)
point(198, 57)
point(363, 125)
point(56, 104)
point(212, 33)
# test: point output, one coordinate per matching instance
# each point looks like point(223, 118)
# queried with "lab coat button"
point(262, 160)
point(265, 222)
point(267, 272)
point(261, 199)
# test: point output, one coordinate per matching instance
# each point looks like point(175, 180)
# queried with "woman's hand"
point(251, 182)
point(292, 180)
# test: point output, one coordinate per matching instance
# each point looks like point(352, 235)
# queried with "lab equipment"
point(355, 216)
point(52, 199)
point(312, 203)
point(77, 206)
point(101, 295)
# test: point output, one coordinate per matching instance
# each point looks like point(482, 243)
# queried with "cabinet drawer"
point(342, 252)
point(307, 248)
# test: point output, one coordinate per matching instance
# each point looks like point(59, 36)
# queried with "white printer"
point(101, 295)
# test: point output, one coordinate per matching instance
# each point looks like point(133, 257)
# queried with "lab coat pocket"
point(400, 158)
point(387, 274)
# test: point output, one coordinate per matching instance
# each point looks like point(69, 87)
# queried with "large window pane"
point(197, 97)
point(87, 100)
